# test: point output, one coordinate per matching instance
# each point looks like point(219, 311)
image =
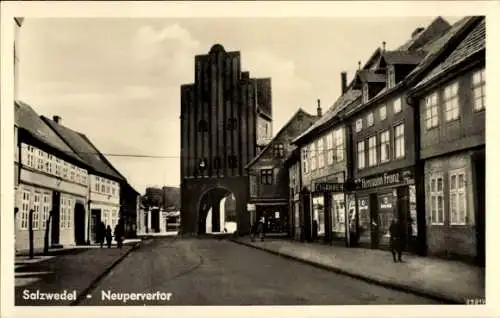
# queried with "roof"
point(85, 149)
point(27, 119)
point(474, 42)
point(436, 28)
point(370, 76)
point(436, 46)
point(256, 158)
point(342, 102)
point(403, 57)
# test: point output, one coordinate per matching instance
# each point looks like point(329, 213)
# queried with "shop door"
point(155, 220)
point(374, 221)
point(306, 207)
point(56, 197)
point(79, 224)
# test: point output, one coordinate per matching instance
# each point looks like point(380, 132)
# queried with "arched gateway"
point(225, 115)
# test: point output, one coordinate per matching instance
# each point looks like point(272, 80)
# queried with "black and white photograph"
point(246, 160)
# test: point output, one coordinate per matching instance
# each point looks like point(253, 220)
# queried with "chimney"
point(57, 119)
point(320, 113)
point(383, 46)
point(416, 32)
point(359, 65)
point(343, 80)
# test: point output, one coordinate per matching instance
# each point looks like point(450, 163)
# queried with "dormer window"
point(391, 77)
point(365, 93)
point(369, 119)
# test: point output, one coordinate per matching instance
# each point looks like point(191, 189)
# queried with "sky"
point(118, 79)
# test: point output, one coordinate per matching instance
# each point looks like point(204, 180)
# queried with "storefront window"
point(385, 216)
point(319, 213)
point(338, 214)
point(413, 210)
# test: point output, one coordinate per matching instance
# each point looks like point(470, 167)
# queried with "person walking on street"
point(119, 234)
point(101, 233)
point(396, 240)
point(260, 228)
point(253, 230)
point(109, 236)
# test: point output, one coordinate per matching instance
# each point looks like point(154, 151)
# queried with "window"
point(46, 204)
point(478, 88)
point(321, 154)
point(359, 125)
point(58, 167)
point(319, 213)
point(312, 151)
point(329, 148)
point(84, 177)
point(369, 119)
point(25, 209)
point(279, 150)
point(202, 126)
point(266, 176)
point(431, 111)
point(72, 173)
point(397, 105)
point(385, 145)
point(339, 144)
point(48, 163)
point(372, 151)
point(305, 160)
point(97, 184)
point(40, 160)
point(391, 78)
point(383, 112)
point(399, 141)
point(65, 170)
point(36, 210)
point(103, 187)
point(67, 205)
point(232, 161)
point(436, 200)
point(365, 93)
point(361, 155)
point(31, 157)
point(451, 102)
point(458, 201)
point(231, 124)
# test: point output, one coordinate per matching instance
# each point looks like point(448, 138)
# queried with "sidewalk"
point(447, 281)
point(74, 270)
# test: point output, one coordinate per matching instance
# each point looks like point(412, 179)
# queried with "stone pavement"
point(75, 270)
point(447, 281)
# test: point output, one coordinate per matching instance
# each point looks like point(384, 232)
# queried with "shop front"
point(380, 199)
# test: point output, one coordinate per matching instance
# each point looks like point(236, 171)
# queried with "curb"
point(398, 287)
point(94, 282)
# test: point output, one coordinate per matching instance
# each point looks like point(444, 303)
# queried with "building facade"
point(220, 116)
point(52, 183)
point(269, 176)
point(450, 107)
point(104, 182)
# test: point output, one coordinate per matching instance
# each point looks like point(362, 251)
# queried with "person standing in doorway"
point(396, 240)
point(260, 228)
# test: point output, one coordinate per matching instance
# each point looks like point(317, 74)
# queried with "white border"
point(246, 9)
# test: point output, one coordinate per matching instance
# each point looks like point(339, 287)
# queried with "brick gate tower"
point(225, 117)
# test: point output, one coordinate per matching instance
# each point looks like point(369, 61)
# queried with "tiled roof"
point(256, 158)
point(403, 57)
point(370, 76)
point(84, 148)
point(342, 102)
point(474, 42)
point(26, 118)
point(435, 29)
point(434, 47)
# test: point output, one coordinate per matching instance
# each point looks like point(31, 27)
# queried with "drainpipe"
point(89, 211)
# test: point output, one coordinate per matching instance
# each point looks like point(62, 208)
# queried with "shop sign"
point(250, 207)
point(388, 178)
point(386, 203)
point(329, 187)
point(363, 204)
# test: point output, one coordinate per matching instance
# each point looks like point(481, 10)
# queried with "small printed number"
point(475, 301)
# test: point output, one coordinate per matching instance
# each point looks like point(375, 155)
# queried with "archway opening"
point(217, 212)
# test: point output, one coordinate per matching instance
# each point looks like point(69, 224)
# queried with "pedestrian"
point(253, 230)
point(260, 228)
point(119, 234)
point(396, 239)
point(109, 236)
point(315, 231)
point(101, 233)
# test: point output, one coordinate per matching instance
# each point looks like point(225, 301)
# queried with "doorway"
point(79, 224)
point(480, 188)
point(95, 221)
point(56, 196)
